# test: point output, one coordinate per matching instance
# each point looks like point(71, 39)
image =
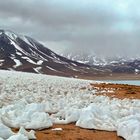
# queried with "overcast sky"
point(104, 27)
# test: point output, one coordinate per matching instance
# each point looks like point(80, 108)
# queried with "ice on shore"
point(29, 135)
point(5, 132)
point(18, 137)
point(30, 116)
point(31, 101)
point(129, 127)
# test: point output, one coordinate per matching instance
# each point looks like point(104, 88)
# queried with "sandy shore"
point(71, 132)
point(118, 90)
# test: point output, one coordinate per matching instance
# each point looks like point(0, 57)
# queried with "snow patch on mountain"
point(38, 69)
point(18, 63)
point(11, 34)
point(16, 46)
point(23, 53)
point(24, 38)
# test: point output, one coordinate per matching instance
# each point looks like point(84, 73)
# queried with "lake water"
point(130, 82)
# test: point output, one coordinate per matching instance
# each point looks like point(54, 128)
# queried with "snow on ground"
point(35, 101)
point(57, 129)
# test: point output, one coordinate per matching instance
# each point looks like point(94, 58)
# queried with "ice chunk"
point(18, 137)
point(5, 132)
point(39, 120)
point(129, 127)
point(30, 134)
point(96, 117)
point(66, 116)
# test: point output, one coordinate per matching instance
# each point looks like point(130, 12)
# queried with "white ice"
point(38, 101)
point(57, 129)
point(18, 137)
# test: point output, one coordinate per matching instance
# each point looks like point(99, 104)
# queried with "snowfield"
point(35, 101)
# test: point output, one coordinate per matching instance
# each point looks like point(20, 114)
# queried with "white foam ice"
point(38, 101)
point(30, 134)
point(30, 116)
point(5, 132)
point(129, 127)
point(18, 137)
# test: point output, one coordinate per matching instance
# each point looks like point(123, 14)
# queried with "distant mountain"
point(115, 65)
point(22, 53)
point(89, 59)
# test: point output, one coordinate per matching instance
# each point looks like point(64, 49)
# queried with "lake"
point(130, 82)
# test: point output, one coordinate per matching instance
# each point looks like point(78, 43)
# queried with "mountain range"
point(115, 65)
point(22, 53)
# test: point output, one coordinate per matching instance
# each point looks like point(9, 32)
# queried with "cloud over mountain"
point(105, 27)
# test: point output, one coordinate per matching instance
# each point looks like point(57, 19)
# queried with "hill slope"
point(22, 53)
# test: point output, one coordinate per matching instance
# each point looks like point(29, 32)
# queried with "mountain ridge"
point(116, 64)
point(23, 53)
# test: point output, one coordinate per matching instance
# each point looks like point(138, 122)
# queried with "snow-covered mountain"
point(115, 65)
point(89, 59)
point(23, 53)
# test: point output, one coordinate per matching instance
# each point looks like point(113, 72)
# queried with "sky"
point(101, 27)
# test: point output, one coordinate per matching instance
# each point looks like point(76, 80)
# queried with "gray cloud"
point(104, 27)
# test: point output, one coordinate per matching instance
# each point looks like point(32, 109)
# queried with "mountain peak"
point(22, 53)
point(10, 34)
point(6, 30)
